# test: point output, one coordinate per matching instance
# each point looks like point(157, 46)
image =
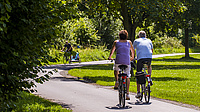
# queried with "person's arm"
point(132, 51)
point(112, 50)
point(63, 48)
point(151, 47)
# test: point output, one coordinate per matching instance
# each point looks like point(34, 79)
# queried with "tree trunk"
point(127, 22)
point(187, 43)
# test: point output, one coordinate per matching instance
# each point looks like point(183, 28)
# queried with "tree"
point(133, 14)
point(27, 28)
point(189, 20)
point(80, 31)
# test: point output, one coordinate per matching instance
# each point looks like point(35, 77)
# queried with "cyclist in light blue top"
point(123, 48)
point(144, 51)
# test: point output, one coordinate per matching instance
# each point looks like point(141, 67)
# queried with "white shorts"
point(127, 70)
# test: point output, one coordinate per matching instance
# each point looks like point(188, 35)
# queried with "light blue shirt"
point(143, 48)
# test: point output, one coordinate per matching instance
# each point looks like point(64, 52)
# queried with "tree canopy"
point(27, 28)
point(138, 13)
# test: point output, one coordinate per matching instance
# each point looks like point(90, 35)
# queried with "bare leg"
point(116, 79)
point(128, 84)
point(116, 75)
point(149, 69)
point(149, 72)
point(138, 87)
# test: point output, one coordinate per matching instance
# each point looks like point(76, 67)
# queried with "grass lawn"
point(31, 103)
point(174, 78)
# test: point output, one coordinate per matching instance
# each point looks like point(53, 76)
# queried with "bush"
point(167, 42)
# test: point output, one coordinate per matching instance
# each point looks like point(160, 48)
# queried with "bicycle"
point(144, 80)
point(122, 77)
point(66, 57)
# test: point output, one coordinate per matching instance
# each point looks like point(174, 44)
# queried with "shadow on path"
point(118, 107)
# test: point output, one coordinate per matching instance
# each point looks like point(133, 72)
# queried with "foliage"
point(135, 14)
point(108, 28)
point(167, 42)
point(169, 75)
point(188, 20)
point(80, 32)
point(32, 103)
point(197, 38)
point(94, 54)
point(27, 28)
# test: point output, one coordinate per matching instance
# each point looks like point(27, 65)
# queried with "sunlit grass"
point(30, 103)
point(174, 78)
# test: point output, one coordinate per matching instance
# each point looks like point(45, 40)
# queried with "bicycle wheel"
point(142, 90)
point(120, 92)
point(123, 95)
point(147, 93)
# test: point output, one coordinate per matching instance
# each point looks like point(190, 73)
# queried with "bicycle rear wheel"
point(120, 92)
point(147, 93)
point(123, 95)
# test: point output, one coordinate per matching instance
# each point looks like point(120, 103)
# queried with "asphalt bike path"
point(84, 96)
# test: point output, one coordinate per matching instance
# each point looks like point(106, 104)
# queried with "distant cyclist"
point(123, 48)
point(69, 48)
point(144, 51)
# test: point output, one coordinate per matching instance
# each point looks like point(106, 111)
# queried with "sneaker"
point(116, 85)
point(127, 97)
point(138, 95)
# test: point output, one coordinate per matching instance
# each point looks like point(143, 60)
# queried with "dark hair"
point(123, 35)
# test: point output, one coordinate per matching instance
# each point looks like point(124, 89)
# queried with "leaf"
point(8, 7)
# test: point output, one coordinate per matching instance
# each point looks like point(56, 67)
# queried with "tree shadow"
point(169, 79)
point(101, 78)
point(72, 79)
point(183, 59)
point(99, 67)
point(162, 67)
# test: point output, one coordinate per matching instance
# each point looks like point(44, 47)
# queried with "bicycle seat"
point(123, 67)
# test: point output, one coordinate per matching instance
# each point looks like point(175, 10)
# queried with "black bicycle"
point(144, 80)
point(122, 77)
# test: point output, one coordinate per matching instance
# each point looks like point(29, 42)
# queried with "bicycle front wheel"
point(147, 93)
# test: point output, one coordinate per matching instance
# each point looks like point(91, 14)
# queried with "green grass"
point(174, 78)
point(31, 103)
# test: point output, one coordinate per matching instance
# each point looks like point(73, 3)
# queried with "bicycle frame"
point(146, 75)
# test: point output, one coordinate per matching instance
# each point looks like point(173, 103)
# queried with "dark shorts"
point(141, 62)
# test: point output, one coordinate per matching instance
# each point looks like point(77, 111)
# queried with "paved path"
point(81, 96)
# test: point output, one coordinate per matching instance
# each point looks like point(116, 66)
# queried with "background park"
point(33, 33)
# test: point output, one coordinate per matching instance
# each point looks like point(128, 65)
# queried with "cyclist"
point(144, 51)
point(123, 48)
point(69, 48)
